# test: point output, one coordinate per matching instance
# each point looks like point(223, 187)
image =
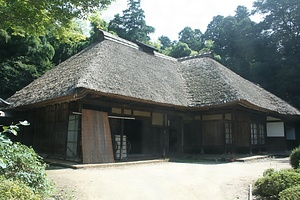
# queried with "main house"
point(117, 99)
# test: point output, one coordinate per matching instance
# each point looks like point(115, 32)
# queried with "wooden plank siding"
point(213, 133)
point(51, 128)
point(147, 137)
point(206, 133)
point(96, 137)
point(276, 144)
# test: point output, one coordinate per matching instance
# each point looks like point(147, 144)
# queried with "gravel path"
point(176, 181)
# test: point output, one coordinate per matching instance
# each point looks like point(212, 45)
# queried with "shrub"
point(269, 172)
point(19, 162)
point(273, 183)
point(14, 189)
point(295, 157)
point(290, 193)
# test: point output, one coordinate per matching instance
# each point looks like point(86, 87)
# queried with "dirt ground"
point(169, 180)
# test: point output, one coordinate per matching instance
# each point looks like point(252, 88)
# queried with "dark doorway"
point(133, 132)
point(132, 129)
point(173, 140)
point(174, 133)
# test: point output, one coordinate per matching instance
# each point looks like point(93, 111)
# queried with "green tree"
point(180, 49)
point(25, 58)
point(281, 28)
point(131, 25)
point(97, 24)
point(39, 17)
point(208, 48)
point(64, 50)
point(233, 38)
point(21, 165)
point(193, 38)
point(22, 59)
point(165, 42)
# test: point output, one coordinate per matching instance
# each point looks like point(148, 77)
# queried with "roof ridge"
point(115, 38)
point(118, 39)
point(202, 55)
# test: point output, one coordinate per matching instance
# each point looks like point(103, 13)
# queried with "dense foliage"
point(291, 193)
point(271, 184)
point(30, 17)
point(21, 168)
point(295, 157)
point(22, 59)
point(15, 189)
point(132, 25)
point(283, 184)
point(22, 163)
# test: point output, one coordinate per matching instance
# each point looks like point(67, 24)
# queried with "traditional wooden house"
point(116, 95)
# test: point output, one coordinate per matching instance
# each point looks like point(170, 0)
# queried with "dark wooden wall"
point(213, 133)
point(156, 140)
point(147, 136)
point(276, 144)
point(51, 128)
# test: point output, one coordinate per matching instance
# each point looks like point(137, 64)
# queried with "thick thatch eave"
point(212, 84)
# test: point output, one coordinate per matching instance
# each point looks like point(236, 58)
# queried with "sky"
point(169, 17)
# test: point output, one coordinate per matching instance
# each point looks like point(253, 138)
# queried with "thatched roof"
point(119, 68)
point(111, 67)
point(212, 84)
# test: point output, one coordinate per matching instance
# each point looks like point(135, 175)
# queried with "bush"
point(274, 182)
point(269, 172)
point(19, 162)
point(14, 189)
point(290, 193)
point(295, 157)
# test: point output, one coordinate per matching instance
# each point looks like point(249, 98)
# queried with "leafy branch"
point(11, 129)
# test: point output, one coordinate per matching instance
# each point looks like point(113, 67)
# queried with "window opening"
point(228, 133)
point(257, 134)
point(73, 130)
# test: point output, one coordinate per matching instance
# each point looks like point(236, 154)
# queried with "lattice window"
point(254, 136)
point(228, 133)
point(262, 133)
point(73, 131)
point(257, 134)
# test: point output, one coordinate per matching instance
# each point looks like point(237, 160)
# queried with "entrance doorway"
point(174, 134)
point(133, 132)
point(130, 128)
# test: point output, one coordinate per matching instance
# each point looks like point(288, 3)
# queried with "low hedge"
point(22, 163)
point(272, 183)
point(295, 157)
point(290, 193)
point(16, 190)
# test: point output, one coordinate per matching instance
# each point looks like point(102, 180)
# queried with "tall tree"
point(282, 22)
point(37, 18)
point(22, 59)
point(193, 38)
point(97, 24)
point(25, 58)
point(132, 25)
point(179, 50)
point(233, 38)
point(165, 42)
point(281, 27)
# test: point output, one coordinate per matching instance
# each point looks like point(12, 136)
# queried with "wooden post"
point(250, 192)
point(182, 136)
point(121, 139)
